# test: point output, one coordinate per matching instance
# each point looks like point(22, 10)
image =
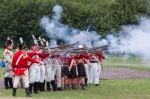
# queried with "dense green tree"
point(22, 17)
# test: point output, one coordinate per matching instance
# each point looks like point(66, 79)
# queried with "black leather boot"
point(6, 81)
point(35, 88)
point(14, 92)
point(48, 86)
point(10, 83)
point(27, 92)
point(54, 85)
point(30, 88)
point(43, 86)
point(86, 79)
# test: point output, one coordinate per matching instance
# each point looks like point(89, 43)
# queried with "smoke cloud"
point(59, 31)
point(133, 39)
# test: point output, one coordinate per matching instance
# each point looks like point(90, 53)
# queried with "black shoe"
point(27, 92)
point(86, 79)
point(59, 89)
point(14, 92)
point(96, 84)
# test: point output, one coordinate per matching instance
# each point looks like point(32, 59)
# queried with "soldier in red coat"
point(34, 69)
point(86, 59)
point(81, 71)
point(73, 72)
point(20, 68)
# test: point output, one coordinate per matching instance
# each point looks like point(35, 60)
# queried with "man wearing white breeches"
point(57, 64)
point(50, 77)
point(95, 71)
point(34, 70)
point(20, 68)
point(8, 74)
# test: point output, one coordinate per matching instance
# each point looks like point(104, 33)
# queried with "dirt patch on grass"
point(124, 73)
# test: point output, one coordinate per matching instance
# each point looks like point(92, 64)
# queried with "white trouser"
point(42, 77)
point(25, 79)
point(86, 70)
point(57, 73)
point(49, 73)
point(34, 73)
point(8, 74)
point(95, 71)
point(8, 71)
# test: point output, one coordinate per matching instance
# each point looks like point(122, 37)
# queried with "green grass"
point(109, 89)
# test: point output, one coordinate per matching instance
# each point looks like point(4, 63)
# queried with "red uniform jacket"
point(85, 56)
point(20, 62)
point(70, 59)
point(100, 56)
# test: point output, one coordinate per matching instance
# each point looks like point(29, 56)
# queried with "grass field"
point(109, 89)
point(131, 62)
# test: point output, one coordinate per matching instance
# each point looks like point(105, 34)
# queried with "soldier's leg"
point(10, 83)
point(32, 78)
point(15, 84)
point(58, 78)
point(42, 78)
point(96, 75)
point(87, 73)
point(25, 79)
point(37, 83)
point(6, 80)
point(48, 78)
point(91, 76)
point(48, 84)
point(54, 86)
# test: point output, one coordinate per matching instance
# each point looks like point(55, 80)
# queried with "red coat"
point(100, 56)
point(43, 55)
point(85, 56)
point(70, 59)
point(20, 62)
point(32, 53)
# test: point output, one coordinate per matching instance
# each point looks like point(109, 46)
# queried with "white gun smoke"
point(57, 30)
point(133, 39)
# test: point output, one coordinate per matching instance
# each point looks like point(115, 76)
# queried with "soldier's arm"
point(8, 58)
point(71, 64)
point(32, 53)
point(28, 58)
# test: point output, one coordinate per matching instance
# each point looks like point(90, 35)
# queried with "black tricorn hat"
point(21, 44)
point(9, 41)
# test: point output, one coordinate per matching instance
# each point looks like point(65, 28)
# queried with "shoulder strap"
point(19, 59)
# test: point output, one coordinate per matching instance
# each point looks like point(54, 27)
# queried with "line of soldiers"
point(38, 68)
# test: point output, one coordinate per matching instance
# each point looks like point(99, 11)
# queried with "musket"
point(65, 46)
point(89, 50)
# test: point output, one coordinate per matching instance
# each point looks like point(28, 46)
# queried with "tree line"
point(22, 17)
